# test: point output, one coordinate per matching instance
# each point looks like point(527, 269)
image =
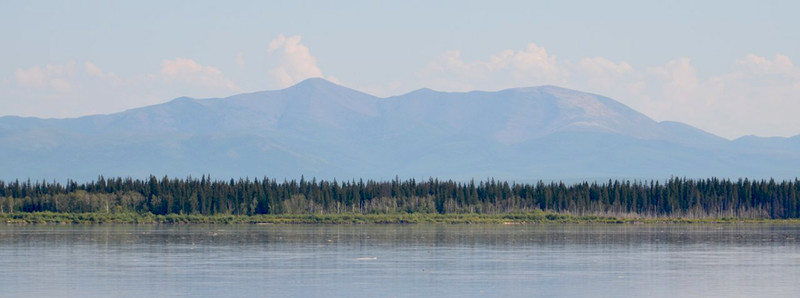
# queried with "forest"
point(672, 198)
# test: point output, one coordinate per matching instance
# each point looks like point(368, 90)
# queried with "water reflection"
point(754, 260)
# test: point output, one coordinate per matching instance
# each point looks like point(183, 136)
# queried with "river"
point(725, 260)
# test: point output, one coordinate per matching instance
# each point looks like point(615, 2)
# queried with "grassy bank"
point(349, 218)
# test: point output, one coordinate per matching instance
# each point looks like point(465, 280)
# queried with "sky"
point(727, 67)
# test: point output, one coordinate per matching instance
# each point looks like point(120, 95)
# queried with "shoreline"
point(537, 217)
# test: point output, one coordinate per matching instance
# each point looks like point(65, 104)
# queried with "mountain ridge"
point(321, 129)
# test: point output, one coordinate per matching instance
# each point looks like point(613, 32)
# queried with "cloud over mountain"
point(295, 62)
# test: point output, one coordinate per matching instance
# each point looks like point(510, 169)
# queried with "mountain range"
point(319, 129)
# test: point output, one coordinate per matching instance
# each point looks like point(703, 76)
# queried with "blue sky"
point(724, 66)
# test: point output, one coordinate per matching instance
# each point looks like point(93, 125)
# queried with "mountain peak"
point(419, 92)
point(315, 83)
point(182, 99)
point(320, 85)
point(319, 89)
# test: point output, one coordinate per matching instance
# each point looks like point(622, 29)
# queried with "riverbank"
point(353, 218)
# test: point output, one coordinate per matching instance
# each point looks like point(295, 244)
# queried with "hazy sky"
point(723, 66)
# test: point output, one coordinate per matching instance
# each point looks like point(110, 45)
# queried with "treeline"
point(676, 197)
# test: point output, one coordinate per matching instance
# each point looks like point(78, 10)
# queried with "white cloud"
point(55, 77)
point(680, 78)
point(604, 74)
point(533, 59)
point(760, 66)
point(93, 70)
point(674, 92)
point(508, 68)
point(32, 77)
point(602, 67)
point(757, 97)
point(294, 61)
point(762, 95)
point(191, 72)
point(60, 85)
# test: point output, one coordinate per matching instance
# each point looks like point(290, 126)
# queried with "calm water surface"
point(753, 260)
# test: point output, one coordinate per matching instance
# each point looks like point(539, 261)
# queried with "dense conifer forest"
point(676, 197)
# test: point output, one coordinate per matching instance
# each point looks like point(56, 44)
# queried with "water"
point(753, 260)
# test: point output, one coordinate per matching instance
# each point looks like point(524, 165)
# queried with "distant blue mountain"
point(320, 129)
